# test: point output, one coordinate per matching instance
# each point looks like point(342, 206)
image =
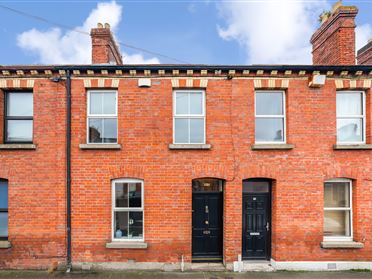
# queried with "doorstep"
point(257, 266)
point(207, 267)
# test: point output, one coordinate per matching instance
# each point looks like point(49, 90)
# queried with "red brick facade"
point(37, 177)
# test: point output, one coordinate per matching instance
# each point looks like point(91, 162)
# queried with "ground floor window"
point(127, 207)
point(338, 209)
point(3, 209)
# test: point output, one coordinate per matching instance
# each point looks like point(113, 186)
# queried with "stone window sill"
point(352, 146)
point(126, 245)
point(341, 245)
point(279, 146)
point(100, 146)
point(18, 146)
point(189, 146)
point(5, 244)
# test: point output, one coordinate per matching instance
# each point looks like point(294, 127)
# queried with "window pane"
point(121, 225)
point(110, 130)
point(3, 194)
point(336, 194)
point(102, 103)
point(336, 223)
point(207, 185)
point(109, 103)
point(349, 103)
point(121, 194)
point(269, 129)
point(182, 103)
point(181, 130)
point(196, 130)
point(19, 130)
point(196, 103)
point(3, 224)
point(95, 130)
point(256, 186)
point(135, 195)
point(349, 130)
point(95, 103)
point(20, 104)
point(135, 225)
point(269, 103)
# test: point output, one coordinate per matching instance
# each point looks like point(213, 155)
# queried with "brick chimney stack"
point(104, 47)
point(364, 55)
point(334, 41)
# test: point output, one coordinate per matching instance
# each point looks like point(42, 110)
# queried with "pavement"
point(186, 275)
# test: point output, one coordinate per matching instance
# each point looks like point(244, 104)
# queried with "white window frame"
point(127, 209)
point(362, 116)
point(350, 209)
point(188, 116)
point(283, 116)
point(103, 116)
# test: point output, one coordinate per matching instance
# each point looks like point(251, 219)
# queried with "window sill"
point(189, 146)
point(352, 146)
point(341, 245)
point(5, 244)
point(18, 146)
point(126, 245)
point(279, 146)
point(100, 146)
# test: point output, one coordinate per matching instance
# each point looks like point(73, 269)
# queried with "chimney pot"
point(99, 25)
point(107, 26)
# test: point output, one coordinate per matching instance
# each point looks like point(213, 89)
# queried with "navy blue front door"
point(207, 226)
point(256, 226)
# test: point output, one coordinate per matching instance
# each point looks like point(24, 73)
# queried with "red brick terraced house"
point(167, 166)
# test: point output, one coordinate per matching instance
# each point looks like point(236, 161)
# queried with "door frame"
point(222, 193)
point(269, 208)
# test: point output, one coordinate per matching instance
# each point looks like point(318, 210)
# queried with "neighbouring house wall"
point(36, 185)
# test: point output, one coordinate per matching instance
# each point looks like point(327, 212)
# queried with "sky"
point(198, 31)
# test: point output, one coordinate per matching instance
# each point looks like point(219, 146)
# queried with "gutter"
point(68, 168)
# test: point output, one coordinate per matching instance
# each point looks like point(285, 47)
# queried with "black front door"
point(207, 226)
point(256, 226)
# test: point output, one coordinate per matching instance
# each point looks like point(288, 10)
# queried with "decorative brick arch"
point(5, 173)
point(127, 172)
point(260, 171)
point(213, 171)
point(337, 171)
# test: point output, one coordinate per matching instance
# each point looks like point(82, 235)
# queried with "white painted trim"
point(283, 116)
point(320, 265)
point(350, 209)
point(189, 116)
point(362, 116)
point(139, 209)
point(101, 116)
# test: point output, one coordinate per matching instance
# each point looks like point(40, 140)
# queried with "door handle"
point(267, 226)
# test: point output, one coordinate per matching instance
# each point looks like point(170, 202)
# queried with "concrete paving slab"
point(185, 275)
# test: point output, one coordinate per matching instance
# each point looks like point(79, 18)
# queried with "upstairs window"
point(350, 117)
point(18, 117)
point(189, 117)
point(338, 209)
point(270, 117)
point(127, 209)
point(3, 209)
point(102, 117)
